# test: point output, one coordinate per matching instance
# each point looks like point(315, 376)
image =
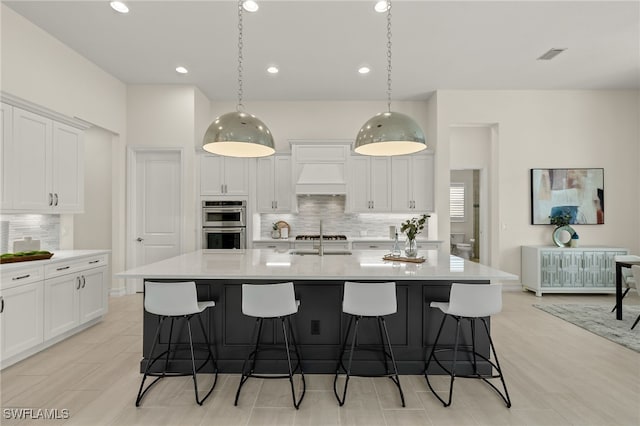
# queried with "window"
point(456, 202)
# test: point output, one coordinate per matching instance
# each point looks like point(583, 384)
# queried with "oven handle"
point(223, 209)
point(224, 229)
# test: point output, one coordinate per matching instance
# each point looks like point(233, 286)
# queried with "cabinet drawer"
point(21, 276)
point(331, 245)
point(281, 245)
point(383, 245)
point(74, 265)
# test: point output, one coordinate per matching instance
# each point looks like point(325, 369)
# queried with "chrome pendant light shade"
point(239, 134)
point(389, 133)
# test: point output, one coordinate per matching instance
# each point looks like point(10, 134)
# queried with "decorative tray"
point(26, 258)
point(282, 224)
point(404, 259)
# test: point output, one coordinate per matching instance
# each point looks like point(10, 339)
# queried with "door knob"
point(139, 239)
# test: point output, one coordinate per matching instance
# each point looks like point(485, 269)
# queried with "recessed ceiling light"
point(364, 70)
point(381, 6)
point(250, 5)
point(273, 70)
point(181, 70)
point(119, 6)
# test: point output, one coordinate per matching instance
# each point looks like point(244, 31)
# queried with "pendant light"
point(238, 133)
point(389, 133)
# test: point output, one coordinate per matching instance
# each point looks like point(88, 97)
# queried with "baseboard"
point(117, 292)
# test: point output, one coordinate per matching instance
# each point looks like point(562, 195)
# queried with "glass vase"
point(411, 248)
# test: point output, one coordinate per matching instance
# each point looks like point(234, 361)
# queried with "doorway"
point(154, 202)
point(465, 214)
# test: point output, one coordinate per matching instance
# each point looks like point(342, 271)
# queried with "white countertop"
point(58, 256)
point(281, 265)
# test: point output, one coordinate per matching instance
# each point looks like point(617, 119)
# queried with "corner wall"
point(554, 129)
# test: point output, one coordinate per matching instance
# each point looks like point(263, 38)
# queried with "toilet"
point(459, 247)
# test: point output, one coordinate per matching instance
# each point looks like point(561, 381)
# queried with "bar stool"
point(178, 300)
point(469, 302)
point(271, 301)
point(367, 300)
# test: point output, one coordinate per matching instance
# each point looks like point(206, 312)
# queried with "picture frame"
point(574, 192)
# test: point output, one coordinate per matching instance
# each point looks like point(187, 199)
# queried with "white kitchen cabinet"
point(76, 297)
point(223, 175)
point(368, 188)
point(6, 133)
point(569, 270)
point(412, 183)
point(21, 318)
point(273, 184)
point(44, 165)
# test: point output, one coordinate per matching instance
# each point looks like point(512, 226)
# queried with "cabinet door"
point(30, 163)
point(61, 297)
point(379, 183)
point(359, 196)
point(549, 269)
point(236, 179)
point(67, 169)
point(282, 183)
point(6, 133)
point(401, 200)
point(265, 189)
point(211, 172)
point(92, 294)
point(421, 182)
point(21, 326)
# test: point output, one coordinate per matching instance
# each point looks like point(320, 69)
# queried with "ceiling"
point(319, 45)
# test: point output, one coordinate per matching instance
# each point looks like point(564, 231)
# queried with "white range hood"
point(320, 167)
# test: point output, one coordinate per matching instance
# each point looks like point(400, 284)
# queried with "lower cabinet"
point(72, 300)
point(569, 270)
point(21, 318)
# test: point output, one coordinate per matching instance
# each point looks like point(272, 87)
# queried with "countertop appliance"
point(224, 225)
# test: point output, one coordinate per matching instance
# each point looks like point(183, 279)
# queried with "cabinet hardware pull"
point(93, 261)
point(63, 268)
point(55, 196)
point(272, 246)
point(84, 281)
point(1, 304)
point(50, 199)
point(21, 277)
point(276, 204)
point(78, 285)
point(139, 239)
point(373, 246)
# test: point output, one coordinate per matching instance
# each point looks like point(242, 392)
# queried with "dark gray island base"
point(320, 326)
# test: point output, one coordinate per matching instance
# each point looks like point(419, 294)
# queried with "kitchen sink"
point(315, 252)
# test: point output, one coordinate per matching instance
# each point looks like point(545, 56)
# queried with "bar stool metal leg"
point(505, 397)
point(149, 363)
point(340, 363)
point(291, 370)
point(257, 332)
point(396, 378)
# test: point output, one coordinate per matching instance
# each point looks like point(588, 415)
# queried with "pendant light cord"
point(240, 107)
point(389, 55)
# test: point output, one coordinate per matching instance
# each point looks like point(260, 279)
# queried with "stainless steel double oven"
point(224, 225)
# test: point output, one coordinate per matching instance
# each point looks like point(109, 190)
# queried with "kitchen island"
point(320, 324)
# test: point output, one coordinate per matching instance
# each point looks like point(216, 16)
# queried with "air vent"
point(551, 53)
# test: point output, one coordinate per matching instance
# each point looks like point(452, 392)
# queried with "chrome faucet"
point(321, 247)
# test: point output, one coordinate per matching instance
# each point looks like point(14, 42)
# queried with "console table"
point(587, 269)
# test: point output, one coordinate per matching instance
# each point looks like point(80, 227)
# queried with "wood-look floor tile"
point(262, 416)
point(406, 417)
point(318, 408)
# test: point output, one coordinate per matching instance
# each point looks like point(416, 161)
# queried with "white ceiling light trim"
point(182, 70)
point(273, 69)
point(381, 6)
point(364, 70)
point(119, 6)
point(250, 5)
point(239, 134)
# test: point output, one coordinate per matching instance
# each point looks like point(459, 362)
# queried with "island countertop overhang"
point(281, 265)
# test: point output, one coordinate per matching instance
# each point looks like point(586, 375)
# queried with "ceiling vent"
point(551, 53)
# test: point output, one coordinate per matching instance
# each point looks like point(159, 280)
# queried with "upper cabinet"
point(273, 184)
point(43, 164)
point(223, 175)
point(368, 188)
point(412, 185)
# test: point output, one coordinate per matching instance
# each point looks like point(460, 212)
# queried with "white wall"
point(165, 116)
point(555, 129)
point(37, 67)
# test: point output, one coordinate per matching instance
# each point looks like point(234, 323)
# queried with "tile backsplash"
point(330, 209)
point(45, 228)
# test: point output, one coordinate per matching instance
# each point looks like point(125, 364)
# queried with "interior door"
point(157, 204)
